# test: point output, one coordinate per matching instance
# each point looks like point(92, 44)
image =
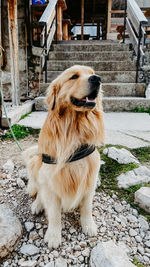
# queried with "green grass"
point(136, 262)
point(111, 169)
point(19, 132)
point(26, 115)
point(142, 153)
point(142, 110)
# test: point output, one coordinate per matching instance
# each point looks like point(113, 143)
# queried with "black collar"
point(82, 152)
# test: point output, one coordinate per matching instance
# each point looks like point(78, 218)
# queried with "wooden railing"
point(49, 22)
point(134, 24)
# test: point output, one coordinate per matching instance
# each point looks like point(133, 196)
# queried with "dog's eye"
point(75, 76)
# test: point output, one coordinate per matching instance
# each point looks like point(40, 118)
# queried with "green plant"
point(142, 110)
point(25, 115)
point(136, 262)
point(20, 132)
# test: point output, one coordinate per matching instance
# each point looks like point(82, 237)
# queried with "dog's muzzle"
point(89, 101)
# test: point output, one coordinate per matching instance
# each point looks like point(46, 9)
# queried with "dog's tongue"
point(88, 99)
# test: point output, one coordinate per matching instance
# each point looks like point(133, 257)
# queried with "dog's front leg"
point(87, 222)
point(52, 207)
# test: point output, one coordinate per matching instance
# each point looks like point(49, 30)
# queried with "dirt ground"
point(9, 149)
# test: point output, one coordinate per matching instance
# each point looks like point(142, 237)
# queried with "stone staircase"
point(111, 60)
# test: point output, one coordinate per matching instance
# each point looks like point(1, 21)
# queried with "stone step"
point(89, 46)
point(106, 76)
point(117, 104)
point(60, 65)
point(113, 104)
point(82, 55)
point(114, 89)
point(124, 89)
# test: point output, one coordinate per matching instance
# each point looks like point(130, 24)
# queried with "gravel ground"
point(116, 220)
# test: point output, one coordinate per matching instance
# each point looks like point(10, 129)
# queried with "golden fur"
point(66, 185)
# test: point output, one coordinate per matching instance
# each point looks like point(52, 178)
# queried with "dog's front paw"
point(89, 228)
point(53, 238)
point(36, 207)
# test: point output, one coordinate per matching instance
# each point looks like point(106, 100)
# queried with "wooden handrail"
point(49, 21)
point(48, 12)
point(135, 22)
point(136, 11)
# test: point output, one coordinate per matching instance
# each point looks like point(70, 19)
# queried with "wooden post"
point(82, 19)
point(59, 22)
point(109, 16)
point(98, 30)
point(65, 31)
point(1, 52)
point(13, 41)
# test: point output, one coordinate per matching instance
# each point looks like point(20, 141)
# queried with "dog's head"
point(77, 86)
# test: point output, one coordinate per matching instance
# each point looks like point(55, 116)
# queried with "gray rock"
point(29, 226)
point(147, 243)
point(118, 207)
point(20, 183)
point(142, 198)
point(107, 254)
point(10, 230)
point(134, 177)
point(140, 249)
point(8, 166)
point(132, 232)
point(50, 264)
point(138, 239)
point(28, 263)
point(29, 250)
point(98, 181)
point(23, 174)
point(122, 156)
point(60, 262)
point(143, 223)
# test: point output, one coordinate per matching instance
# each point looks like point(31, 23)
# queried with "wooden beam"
point(82, 19)
point(59, 22)
point(1, 52)
point(109, 16)
point(13, 42)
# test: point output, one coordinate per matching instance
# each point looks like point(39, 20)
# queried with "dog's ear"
point(51, 96)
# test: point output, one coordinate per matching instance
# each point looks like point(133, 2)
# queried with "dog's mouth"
point(88, 101)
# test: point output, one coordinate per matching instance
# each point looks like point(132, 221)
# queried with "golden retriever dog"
point(63, 167)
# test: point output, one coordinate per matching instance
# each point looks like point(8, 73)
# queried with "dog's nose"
point(94, 79)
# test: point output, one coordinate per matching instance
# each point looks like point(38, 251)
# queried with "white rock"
point(138, 239)
point(29, 250)
point(134, 177)
point(122, 156)
point(23, 174)
point(107, 254)
point(143, 223)
point(28, 264)
point(29, 226)
point(98, 181)
point(118, 207)
point(142, 198)
point(60, 262)
point(147, 243)
point(20, 183)
point(86, 252)
point(9, 166)
point(72, 230)
point(10, 230)
point(50, 264)
point(132, 232)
